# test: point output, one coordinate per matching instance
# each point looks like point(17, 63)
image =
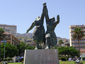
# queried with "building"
point(11, 39)
point(27, 40)
point(75, 42)
point(9, 28)
point(30, 42)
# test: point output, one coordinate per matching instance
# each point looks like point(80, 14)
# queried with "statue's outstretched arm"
point(42, 17)
point(45, 11)
point(33, 24)
point(56, 22)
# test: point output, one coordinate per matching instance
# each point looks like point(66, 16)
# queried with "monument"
point(46, 55)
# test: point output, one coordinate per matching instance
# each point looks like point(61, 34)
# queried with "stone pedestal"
point(41, 56)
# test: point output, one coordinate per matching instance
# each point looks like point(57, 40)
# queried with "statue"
point(39, 35)
point(50, 35)
point(39, 31)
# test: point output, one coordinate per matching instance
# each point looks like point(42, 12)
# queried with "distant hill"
point(29, 35)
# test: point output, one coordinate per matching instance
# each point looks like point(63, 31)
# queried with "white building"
point(74, 42)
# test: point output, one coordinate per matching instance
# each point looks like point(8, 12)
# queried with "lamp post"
point(4, 48)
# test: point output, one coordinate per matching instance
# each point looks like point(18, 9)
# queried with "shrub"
point(5, 59)
point(9, 59)
point(63, 58)
point(83, 58)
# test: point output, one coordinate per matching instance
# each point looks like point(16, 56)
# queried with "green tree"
point(60, 42)
point(67, 51)
point(22, 46)
point(78, 34)
point(30, 47)
point(73, 52)
point(2, 36)
point(10, 50)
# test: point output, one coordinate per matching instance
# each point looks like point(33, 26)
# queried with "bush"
point(9, 59)
point(5, 59)
point(83, 58)
point(63, 58)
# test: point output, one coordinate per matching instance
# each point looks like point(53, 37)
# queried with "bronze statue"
point(50, 36)
point(39, 35)
point(39, 31)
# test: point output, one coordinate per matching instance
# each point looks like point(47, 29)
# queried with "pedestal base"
point(41, 56)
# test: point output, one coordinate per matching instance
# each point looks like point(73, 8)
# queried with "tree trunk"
point(0, 50)
point(79, 49)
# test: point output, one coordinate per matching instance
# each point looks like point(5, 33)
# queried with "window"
point(72, 39)
point(77, 47)
point(72, 28)
point(76, 44)
point(84, 44)
point(8, 35)
point(76, 40)
point(83, 28)
point(71, 36)
point(71, 32)
point(81, 44)
point(29, 41)
point(82, 40)
point(81, 47)
point(73, 44)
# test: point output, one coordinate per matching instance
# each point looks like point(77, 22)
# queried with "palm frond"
point(78, 33)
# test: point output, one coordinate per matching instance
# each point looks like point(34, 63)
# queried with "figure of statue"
point(39, 35)
point(50, 35)
point(39, 32)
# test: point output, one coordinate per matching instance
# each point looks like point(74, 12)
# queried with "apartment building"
point(9, 28)
point(11, 39)
point(74, 42)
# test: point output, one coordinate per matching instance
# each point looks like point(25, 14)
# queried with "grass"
point(69, 62)
point(15, 63)
point(66, 62)
point(61, 62)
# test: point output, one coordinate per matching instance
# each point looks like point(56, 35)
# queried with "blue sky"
point(23, 12)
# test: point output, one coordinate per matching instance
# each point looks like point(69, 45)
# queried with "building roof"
point(7, 25)
point(76, 26)
point(7, 33)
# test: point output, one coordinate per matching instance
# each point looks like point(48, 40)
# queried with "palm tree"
point(78, 34)
point(2, 36)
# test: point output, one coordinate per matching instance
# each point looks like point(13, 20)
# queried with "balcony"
point(8, 38)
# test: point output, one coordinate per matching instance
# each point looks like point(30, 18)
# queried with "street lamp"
point(4, 48)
